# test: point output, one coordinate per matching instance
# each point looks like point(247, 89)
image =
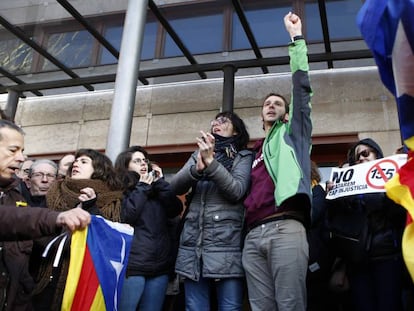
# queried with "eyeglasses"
point(139, 161)
point(365, 153)
point(43, 175)
point(219, 121)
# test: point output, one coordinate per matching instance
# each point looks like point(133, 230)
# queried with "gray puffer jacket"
point(212, 236)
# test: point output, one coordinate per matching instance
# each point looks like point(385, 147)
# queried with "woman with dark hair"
point(148, 205)
point(92, 183)
point(127, 168)
point(91, 176)
point(210, 250)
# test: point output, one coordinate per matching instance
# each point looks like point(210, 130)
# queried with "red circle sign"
point(380, 173)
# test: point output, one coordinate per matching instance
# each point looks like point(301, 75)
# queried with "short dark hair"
point(11, 125)
point(242, 137)
point(280, 96)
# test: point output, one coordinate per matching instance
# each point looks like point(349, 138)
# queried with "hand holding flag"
point(98, 261)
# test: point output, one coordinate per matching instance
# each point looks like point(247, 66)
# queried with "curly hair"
point(102, 168)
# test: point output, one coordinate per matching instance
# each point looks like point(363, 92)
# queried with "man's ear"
point(286, 118)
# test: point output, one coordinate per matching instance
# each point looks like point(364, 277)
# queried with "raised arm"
point(293, 25)
point(300, 105)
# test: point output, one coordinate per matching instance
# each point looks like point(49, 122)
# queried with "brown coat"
point(26, 223)
point(19, 225)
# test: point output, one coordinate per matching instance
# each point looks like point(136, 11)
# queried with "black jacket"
point(382, 217)
point(147, 208)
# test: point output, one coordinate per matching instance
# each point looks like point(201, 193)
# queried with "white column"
point(126, 78)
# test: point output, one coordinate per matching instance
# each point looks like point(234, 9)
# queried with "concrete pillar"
point(11, 105)
point(228, 88)
point(126, 78)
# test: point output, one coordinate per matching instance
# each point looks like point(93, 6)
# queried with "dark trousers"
point(377, 285)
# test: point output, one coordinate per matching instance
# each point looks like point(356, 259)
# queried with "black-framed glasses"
point(43, 175)
point(219, 121)
point(139, 161)
point(365, 153)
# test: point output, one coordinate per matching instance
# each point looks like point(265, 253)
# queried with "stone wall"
point(346, 101)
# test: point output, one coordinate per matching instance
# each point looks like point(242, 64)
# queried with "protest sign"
point(366, 177)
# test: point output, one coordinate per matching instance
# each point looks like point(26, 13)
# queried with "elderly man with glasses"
point(42, 175)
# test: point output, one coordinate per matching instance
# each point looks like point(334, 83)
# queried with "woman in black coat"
point(147, 206)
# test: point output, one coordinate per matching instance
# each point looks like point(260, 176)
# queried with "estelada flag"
point(388, 30)
point(98, 261)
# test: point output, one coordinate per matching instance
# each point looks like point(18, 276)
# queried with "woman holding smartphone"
point(147, 205)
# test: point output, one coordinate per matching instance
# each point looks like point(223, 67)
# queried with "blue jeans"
point(229, 294)
point(147, 292)
point(275, 260)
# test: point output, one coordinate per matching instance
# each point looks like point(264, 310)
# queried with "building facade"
point(349, 103)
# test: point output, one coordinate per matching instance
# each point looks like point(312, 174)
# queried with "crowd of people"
point(254, 233)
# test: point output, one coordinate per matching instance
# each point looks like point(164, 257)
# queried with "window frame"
point(42, 32)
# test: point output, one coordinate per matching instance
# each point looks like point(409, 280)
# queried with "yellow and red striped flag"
point(98, 260)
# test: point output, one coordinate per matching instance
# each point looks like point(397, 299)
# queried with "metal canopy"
point(21, 86)
point(174, 36)
point(249, 33)
point(26, 39)
point(68, 7)
point(177, 70)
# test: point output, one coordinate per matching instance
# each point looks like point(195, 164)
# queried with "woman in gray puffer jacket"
point(211, 240)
